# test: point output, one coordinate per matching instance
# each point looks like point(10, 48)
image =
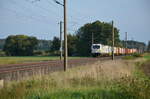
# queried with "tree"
point(20, 45)
point(44, 45)
point(102, 33)
point(72, 39)
point(148, 47)
point(55, 44)
point(2, 42)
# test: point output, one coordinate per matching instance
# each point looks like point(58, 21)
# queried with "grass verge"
point(103, 80)
point(25, 59)
point(133, 56)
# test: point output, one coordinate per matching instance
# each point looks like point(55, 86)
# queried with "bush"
point(54, 53)
point(42, 53)
point(137, 55)
point(2, 53)
point(128, 57)
point(38, 53)
point(20, 45)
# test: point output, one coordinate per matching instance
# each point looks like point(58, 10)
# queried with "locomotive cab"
point(96, 49)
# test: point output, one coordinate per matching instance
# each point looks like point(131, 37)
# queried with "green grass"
point(128, 57)
point(80, 83)
point(147, 56)
point(133, 56)
point(24, 59)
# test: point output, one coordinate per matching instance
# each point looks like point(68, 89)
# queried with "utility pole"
point(65, 33)
point(60, 40)
point(65, 38)
point(132, 43)
point(113, 40)
point(126, 39)
point(92, 38)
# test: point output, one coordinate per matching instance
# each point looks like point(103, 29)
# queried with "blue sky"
point(41, 18)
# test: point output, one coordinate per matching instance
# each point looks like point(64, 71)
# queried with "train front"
point(96, 50)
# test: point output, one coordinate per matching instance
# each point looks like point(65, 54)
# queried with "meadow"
point(147, 56)
point(119, 79)
point(27, 59)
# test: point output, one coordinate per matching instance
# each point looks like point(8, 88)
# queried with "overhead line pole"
point(113, 41)
point(126, 39)
point(61, 40)
point(65, 33)
point(92, 38)
point(65, 38)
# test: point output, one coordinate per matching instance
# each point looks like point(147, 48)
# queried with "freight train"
point(105, 50)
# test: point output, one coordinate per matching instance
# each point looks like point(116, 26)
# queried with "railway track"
point(16, 67)
point(47, 67)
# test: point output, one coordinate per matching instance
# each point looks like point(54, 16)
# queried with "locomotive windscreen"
point(96, 46)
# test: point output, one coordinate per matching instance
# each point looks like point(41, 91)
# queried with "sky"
point(41, 18)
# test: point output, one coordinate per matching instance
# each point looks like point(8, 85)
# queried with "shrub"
point(137, 55)
point(38, 53)
point(128, 57)
point(2, 53)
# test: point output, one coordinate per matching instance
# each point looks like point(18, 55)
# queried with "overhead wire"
point(70, 22)
point(73, 23)
point(19, 15)
point(51, 3)
point(44, 9)
point(25, 9)
point(33, 17)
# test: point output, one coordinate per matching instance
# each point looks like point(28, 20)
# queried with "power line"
point(74, 11)
point(58, 2)
point(25, 16)
point(29, 10)
point(44, 9)
point(35, 18)
point(26, 9)
point(51, 3)
point(33, 1)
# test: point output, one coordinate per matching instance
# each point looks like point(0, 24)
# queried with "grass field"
point(15, 60)
point(121, 79)
point(147, 56)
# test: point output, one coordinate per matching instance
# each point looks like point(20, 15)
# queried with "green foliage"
point(2, 42)
point(102, 33)
point(20, 45)
point(72, 39)
point(147, 56)
point(44, 45)
point(55, 44)
point(133, 56)
point(24, 59)
point(128, 57)
point(136, 86)
point(42, 53)
point(137, 55)
point(148, 47)
point(134, 44)
point(39, 53)
point(2, 53)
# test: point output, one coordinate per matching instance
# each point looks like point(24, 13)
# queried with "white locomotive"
point(105, 50)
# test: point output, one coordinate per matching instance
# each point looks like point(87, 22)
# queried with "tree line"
point(78, 43)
